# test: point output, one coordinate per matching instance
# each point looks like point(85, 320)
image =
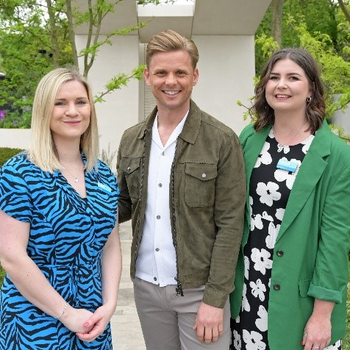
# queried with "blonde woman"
point(59, 240)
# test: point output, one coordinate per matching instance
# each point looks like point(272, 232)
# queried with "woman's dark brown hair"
point(315, 109)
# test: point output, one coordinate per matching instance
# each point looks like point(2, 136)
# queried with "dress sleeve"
point(15, 198)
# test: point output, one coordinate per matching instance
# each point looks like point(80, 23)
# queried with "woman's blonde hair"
point(42, 151)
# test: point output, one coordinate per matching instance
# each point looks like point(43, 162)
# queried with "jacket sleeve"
point(228, 216)
point(330, 277)
point(124, 202)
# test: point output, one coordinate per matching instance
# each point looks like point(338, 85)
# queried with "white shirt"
point(156, 261)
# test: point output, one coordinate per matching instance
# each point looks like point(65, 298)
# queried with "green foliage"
point(335, 69)
point(2, 275)
point(7, 153)
point(36, 37)
point(26, 53)
point(120, 80)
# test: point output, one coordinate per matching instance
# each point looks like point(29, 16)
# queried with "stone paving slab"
point(126, 329)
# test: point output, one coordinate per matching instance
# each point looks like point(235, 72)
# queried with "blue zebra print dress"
point(67, 237)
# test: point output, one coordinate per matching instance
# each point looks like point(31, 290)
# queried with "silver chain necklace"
point(76, 179)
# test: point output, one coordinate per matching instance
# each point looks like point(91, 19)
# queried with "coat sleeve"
point(124, 203)
point(228, 216)
point(330, 277)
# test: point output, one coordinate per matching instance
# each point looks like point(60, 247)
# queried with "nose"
point(171, 79)
point(281, 83)
point(72, 110)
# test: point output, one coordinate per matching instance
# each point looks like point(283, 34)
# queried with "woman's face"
point(71, 112)
point(287, 87)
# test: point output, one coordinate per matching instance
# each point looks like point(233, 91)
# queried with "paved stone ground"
point(126, 329)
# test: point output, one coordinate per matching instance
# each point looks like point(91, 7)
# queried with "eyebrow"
point(291, 73)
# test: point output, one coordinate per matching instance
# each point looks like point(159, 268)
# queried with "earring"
point(308, 99)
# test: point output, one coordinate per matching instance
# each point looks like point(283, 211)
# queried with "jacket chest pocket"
point(131, 168)
point(200, 182)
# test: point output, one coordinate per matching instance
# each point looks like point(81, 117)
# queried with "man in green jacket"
point(182, 182)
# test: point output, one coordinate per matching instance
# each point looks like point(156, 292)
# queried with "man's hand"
point(209, 323)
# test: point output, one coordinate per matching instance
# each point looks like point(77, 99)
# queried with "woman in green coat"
point(292, 272)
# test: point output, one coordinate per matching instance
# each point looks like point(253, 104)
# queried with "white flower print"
point(256, 222)
point(246, 267)
point(282, 148)
point(258, 289)
point(266, 216)
point(245, 303)
point(307, 143)
point(264, 156)
point(280, 213)
point(253, 340)
point(272, 235)
point(334, 346)
point(268, 192)
point(237, 340)
point(261, 322)
point(261, 259)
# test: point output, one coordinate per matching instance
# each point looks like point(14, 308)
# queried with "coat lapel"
point(252, 145)
point(311, 170)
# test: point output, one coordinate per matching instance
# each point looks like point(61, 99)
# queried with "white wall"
point(121, 108)
point(15, 138)
point(226, 71)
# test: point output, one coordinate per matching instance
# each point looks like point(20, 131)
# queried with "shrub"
point(7, 153)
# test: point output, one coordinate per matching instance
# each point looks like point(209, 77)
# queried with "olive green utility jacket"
point(207, 198)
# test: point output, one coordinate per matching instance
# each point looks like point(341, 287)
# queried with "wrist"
point(63, 311)
point(66, 311)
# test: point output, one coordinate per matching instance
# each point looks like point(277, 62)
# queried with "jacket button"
point(204, 175)
point(128, 169)
point(276, 287)
point(280, 253)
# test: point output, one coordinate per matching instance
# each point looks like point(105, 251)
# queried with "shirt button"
point(160, 185)
point(158, 217)
point(276, 287)
point(280, 253)
point(154, 278)
point(204, 175)
point(157, 249)
point(163, 154)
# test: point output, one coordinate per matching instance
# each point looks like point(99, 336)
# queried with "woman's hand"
point(75, 320)
point(96, 324)
point(318, 330)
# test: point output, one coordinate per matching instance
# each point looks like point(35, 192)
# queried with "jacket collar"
point(190, 130)
point(311, 170)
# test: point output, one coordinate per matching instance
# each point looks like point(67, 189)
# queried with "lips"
point(282, 96)
point(171, 92)
point(72, 122)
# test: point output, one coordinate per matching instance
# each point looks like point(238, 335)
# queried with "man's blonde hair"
point(42, 150)
point(168, 41)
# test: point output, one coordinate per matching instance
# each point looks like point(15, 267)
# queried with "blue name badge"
point(287, 165)
point(104, 187)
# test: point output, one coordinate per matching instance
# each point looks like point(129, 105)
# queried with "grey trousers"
point(167, 319)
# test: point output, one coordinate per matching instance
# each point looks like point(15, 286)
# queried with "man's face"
point(171, 78)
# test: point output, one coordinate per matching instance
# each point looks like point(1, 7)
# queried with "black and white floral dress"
point(271, 182)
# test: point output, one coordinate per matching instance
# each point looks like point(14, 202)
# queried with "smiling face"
point(171, 78)
point(287, 88)
point(71, 112)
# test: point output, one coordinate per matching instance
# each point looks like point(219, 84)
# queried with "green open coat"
point(310, 255)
